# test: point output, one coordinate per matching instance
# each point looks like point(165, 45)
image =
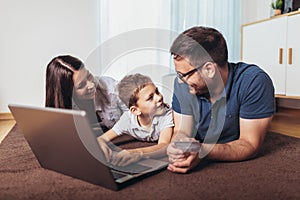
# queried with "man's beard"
point(194, 89)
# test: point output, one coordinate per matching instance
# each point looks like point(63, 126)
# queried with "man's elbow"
point(251, 153)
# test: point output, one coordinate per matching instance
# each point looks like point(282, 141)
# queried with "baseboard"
point(6, 116)
point(288, 103)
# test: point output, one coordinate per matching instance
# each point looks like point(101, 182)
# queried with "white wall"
point(32, 33)
point(254, 10)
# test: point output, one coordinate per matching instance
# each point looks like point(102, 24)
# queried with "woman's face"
point(84, 84)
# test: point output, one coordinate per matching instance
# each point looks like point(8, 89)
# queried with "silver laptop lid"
point(62, 140)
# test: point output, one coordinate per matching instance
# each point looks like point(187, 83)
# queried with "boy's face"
point(150, 101)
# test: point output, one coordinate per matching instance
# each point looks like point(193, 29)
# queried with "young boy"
point(148, 119)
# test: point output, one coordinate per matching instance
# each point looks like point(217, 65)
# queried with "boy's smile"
point(150, 101)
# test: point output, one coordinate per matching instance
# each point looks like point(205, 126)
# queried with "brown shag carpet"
point(274, 174)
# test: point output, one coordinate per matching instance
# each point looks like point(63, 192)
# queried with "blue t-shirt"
point(248, 94)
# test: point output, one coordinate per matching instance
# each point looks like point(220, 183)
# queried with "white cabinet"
point(293, 61)
point(274, 45)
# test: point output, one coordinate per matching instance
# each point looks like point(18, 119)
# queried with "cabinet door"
point(293, 65)
point(261, 45)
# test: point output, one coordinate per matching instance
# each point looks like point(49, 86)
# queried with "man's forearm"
point(237, 150)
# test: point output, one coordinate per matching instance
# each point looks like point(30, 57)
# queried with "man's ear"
point(209, 69)
point(135, 110)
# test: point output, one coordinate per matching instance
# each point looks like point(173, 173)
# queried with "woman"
point(70, 85)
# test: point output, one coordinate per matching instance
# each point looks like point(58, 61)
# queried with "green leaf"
point(277, 4)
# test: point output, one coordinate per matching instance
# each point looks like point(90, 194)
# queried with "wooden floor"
point(5, 126)
point(285, 121)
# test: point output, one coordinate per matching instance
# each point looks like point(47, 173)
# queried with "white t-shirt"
point(128, 124)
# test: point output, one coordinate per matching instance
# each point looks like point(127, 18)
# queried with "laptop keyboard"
point(131, 168)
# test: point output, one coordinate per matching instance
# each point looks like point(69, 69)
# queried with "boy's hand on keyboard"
point(125, 157)
point(108, 153)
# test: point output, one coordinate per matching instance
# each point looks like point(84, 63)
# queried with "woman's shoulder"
point(109, 82)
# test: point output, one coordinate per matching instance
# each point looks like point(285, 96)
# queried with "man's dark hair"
point(200, 45)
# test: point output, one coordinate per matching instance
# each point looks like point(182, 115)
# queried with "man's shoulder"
point(245, 73)
point(242, 68)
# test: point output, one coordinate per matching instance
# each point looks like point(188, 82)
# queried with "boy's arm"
point(128, 156)
point(160, 148)
point(103, 141)
point(108, 136)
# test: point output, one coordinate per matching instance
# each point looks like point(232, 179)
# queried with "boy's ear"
point(135, 110)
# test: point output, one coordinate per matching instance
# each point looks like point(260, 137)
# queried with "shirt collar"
point(228, 85)
point(135, 123)
point(226, 92)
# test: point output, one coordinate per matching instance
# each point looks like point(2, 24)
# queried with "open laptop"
point(63, 140)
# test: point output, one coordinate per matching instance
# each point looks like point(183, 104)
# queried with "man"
point(227, 107)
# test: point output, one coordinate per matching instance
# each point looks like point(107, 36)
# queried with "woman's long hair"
point(60, 84)
point(59, 81)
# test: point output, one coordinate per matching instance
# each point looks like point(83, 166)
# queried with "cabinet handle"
point(290, 56)
point(280, 55)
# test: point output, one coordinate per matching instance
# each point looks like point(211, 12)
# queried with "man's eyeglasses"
point(185, 76)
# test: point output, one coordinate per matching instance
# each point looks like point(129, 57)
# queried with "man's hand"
point(184, 165)
point(181, 161)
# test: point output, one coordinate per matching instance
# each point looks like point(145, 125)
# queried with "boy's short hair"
point(129, 87)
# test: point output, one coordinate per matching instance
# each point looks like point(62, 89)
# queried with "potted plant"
point(277, 6)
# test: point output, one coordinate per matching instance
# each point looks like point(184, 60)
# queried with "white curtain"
point(166, 19)
point(223, 15)
point(133, 36)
